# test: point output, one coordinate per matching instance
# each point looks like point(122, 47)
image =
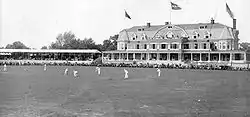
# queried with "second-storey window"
point(145, 46)
point(204, 46)
point(196, 46)
point(186, 46)
point(153, 46)
point(137, 46)
point(173, 46)
point(163, 46)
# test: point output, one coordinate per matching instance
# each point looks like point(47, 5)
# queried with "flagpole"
point(170, 11)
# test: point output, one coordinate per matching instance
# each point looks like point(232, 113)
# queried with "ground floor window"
point(153, 56)
point(163, 56)
point(204, 56)
point(130, 56)
point(196, 56)
point(214, 57)
point(225, 57)
point(238, 56)
point(174, 56)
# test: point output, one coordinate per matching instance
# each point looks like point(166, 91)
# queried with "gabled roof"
point(217, 30)
point(184, 26)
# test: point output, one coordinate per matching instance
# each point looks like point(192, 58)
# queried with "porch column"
point(133, 56)
point(127, 56)
point(200, 57)
point(191, 56)
point(245, 57)
point(148, 56)
point(102, 57)
point(209, 57)
point(168, 57)
point(141, 56)
point(231, 57)
point(112, 56)
point(179, 56)
point(219, 57)
point(158, 56)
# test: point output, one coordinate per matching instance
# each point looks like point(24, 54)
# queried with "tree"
point(16, 45)
point(110, 44)
point(63, 41)
point(245, 46)
point(44, 47)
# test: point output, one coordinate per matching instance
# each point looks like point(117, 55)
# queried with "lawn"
point(177, 93)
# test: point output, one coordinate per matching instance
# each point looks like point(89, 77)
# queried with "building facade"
point(178, 43)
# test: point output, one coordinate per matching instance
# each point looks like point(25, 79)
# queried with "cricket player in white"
point(98, 70)
point(75, 73)
point(158, 72)
point(66, 71)
point(45, 67)
point(4, 67)
point(126, 74)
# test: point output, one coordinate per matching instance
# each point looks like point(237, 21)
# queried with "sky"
point(36, 23)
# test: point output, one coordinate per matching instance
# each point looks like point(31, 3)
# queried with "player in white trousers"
point(98, 70)
point(125, 74)
point(158, 72)
point(75, 73)
point(5, 68)
point(66, 71)
point(44, 67)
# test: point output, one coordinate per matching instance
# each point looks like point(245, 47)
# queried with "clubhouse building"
point(201, 43)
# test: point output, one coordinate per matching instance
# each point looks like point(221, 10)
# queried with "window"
point(134, 37)
point(207, 35)
point(137, 46)
point(196, 46)
point(205, 46)
point(170, 35)
point(163, 46)
point(145, 46)
point(126, 46)
point(228, 47)
point(121, 46)
point(195, 35)
point(139, 29)
point(153, 46)
point(143, 36)
point(173, 46)
point(170, 27)
point(202, 27)
point(185, 46)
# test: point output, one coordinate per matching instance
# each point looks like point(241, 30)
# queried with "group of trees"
point(68, 40)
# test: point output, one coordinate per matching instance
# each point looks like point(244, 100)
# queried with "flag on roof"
point(229, 11)
point(175, 6)
point(126, 15)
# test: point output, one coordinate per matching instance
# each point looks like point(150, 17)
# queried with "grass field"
point(177, 93)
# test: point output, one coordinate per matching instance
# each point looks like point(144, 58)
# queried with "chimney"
point(212, 20)
point(234, 23)
point(148, 25)
point(167, 23)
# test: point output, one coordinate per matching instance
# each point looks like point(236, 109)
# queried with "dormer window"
point(196, 35)
point(134, 37)
point(170, 35)
point(170, 27)
point(143, 36)
point(202, 27)
point(207, 35)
